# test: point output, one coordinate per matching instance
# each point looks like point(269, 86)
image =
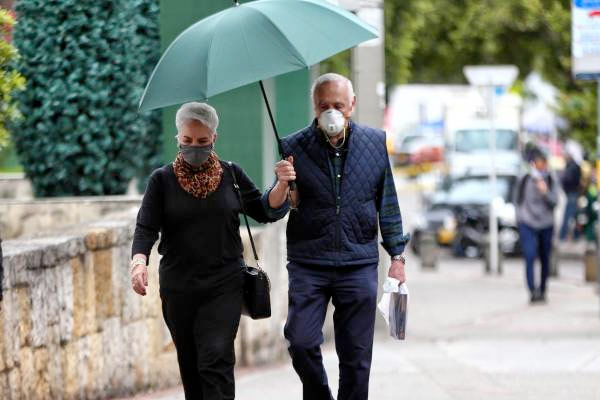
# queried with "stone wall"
point(29, 217)
point(72, 327)
point(15, 186)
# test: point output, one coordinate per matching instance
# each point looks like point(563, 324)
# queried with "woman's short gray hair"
point(330, 77)
point(201, 112)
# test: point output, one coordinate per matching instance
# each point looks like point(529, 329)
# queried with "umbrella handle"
point(291, 184)
point(293, 202)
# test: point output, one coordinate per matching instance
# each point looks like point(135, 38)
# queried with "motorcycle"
point(471, 229)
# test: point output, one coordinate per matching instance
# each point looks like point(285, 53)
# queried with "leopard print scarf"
point(199, 182)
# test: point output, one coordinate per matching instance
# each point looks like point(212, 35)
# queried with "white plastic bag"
point(393, 306)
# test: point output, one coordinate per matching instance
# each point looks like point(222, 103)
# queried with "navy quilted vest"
point(318, 232)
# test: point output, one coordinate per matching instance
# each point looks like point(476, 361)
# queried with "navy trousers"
point(353, 292)
point(570, 213)
point(536, 243)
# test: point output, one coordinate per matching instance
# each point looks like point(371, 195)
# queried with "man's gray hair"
point(330, 77)
point(201, 112)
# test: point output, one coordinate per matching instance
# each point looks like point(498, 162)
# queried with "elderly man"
point(344, 185)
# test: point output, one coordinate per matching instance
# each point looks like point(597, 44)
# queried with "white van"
point(468, 150)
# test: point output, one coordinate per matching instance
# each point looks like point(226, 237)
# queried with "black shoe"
point(533, 298)
point(542, 297)
point(538, 297)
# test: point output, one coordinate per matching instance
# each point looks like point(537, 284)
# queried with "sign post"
point(489, 78)
point(585, 51)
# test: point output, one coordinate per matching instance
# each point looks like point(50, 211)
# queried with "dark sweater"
point(200, 238)
point(571, 178)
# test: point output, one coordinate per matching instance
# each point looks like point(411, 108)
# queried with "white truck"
point(457, 113)
point(468, 134)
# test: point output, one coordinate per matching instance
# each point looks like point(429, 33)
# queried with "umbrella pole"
point(279, 146)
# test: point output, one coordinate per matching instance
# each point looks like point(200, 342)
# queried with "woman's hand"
point(139, 274)
point(139, 279)
point(286, 173)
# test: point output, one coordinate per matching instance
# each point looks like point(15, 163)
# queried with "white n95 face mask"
point(332, 122)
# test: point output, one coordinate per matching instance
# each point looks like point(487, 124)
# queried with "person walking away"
point(571, 185)
point(589, 212)
point(536, 196)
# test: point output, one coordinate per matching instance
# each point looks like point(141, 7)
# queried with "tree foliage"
point(579, 107)
point(429, 41)
point(86, 63)
point(10, 79)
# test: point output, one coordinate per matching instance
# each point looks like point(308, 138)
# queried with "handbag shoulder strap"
point(241, 200)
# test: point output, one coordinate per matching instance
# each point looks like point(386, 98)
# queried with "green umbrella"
point(248, 43)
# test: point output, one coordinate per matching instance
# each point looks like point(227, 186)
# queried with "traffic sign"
point(585, 46)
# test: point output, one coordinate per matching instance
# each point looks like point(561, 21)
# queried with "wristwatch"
point(399, 257)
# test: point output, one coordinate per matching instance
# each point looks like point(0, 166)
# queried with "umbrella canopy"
point(248, 43)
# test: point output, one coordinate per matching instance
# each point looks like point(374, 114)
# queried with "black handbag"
point(257, 287)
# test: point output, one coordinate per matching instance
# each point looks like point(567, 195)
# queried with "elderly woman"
point(193, 204)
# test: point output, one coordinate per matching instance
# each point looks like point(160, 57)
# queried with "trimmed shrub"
point(147, 47)
point(86, 63)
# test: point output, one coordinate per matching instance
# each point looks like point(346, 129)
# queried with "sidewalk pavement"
point(470, 336)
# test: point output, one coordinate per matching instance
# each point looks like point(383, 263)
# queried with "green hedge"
point(147, 47)
point(86, 63)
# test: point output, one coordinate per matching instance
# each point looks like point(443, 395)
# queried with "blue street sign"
point(587, 3)
point(585, 39)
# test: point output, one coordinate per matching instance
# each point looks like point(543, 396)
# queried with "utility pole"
point(598, 185)
point(585, 55)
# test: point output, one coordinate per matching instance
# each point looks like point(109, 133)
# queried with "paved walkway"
point(470, 336)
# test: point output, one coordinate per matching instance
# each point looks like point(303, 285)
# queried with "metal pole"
point(554, 255)
point(279, 147)
point(598, 187)
point(493, 220)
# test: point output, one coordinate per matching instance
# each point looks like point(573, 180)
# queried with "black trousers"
point(203, 327)
point(353, 291)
